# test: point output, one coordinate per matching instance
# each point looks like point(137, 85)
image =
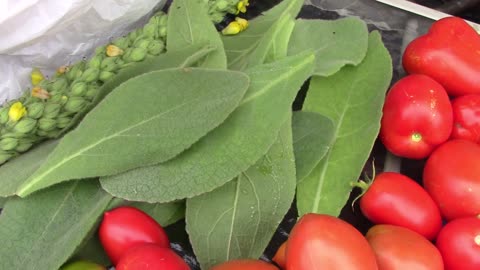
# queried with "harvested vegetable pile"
point(183, 122)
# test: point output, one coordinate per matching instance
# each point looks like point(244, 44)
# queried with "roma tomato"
point(279, 257)
point(82, 265)
point(245, 264)
point(151, 257)
point(125, 227)
point(449, 54)
point(398, 248)
point(452, 177)
point(417, 117)
point(324, 242)
point(396, 199)
point(459, 244)
point(466, 118)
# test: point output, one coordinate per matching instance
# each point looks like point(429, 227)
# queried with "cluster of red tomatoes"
point(433, 115)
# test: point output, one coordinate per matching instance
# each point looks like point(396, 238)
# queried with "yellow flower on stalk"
point(242, 6)
point(113, 50)
point(40, 93)
point(232, 28)
point(235, 27)
point(16, 111)
point(243, 23)
point(36, 76)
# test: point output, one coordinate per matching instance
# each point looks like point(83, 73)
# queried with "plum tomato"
point(398, 248)
point(151, 257)
point(452, 177)
point(459, 244)
point(82, 265)
point(396, 199)
point(244, 264)
point(417, 117)
point(125, 227)
point(320, 241)
point(466, 118)
point(279, 257)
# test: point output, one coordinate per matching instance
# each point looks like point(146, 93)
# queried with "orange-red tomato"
point(245, 264)
point(325, 242)
point(125, 227)
point(398, 248)
point(280, 255)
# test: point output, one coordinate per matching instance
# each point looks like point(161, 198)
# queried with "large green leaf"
point(239, 219)
point(353, 99)
point(43, 230)
point(240, 49)
point(148, 119)
point(189, 24)
point(229, 149)
point(16, 171)
point(336, 42)
point(312, 137)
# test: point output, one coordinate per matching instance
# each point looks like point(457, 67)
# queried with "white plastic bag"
point(52, 33)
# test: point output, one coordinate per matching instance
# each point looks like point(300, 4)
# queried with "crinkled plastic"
point(48, 34)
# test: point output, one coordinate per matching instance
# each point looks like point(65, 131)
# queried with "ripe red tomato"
point(417, 117)
point(398, 248)
point(125, 227)
point(151, 257)
point(466, 118)
point(280, 255)
point(324, 242)
point(449, 54)
point(459, 244)
point(395, 199)
point(452, 177)
point(245, 264)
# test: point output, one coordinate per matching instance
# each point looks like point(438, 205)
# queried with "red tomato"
point(151, 257)
point(466, 118)
point(245, 264)
point(125, 227)
point(449, 54)
point(452, 177)
point(399, 248)
point(324, 242)
point(459, 243)
point(417, 117)
point(279, 257)
point(395, 199)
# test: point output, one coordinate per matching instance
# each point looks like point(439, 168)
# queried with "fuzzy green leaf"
point(43, 230)
point(189, 24)
point(148, 119)
point(353, 99)
point(312, 137)
point(239, 219)
point(242, 50)
point(336, 42)
point(228, 150)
